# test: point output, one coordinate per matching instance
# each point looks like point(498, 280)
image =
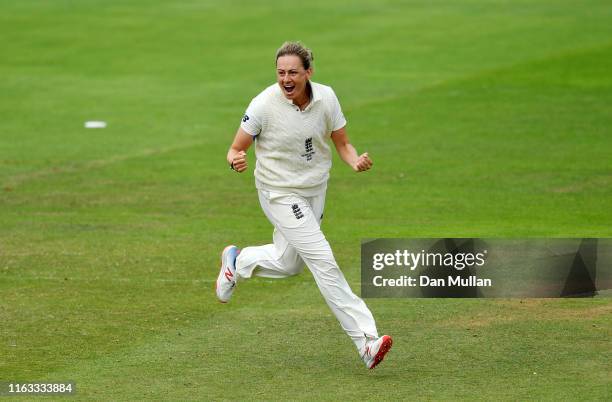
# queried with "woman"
point(291, 122)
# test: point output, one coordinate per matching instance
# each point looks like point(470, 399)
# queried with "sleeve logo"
point(245, 118)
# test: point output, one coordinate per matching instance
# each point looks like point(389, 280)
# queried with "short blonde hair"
point(296, 49)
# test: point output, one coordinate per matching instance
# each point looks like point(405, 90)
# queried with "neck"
point(304, 100)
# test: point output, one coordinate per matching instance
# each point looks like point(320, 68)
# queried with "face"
point(292, 77)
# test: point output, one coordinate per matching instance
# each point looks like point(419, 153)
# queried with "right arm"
point(236, 156)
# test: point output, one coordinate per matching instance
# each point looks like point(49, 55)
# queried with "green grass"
point(484, 119)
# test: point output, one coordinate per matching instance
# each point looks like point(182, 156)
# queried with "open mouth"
point(289, 88)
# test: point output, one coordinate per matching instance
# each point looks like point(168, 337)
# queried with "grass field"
point(484, 119)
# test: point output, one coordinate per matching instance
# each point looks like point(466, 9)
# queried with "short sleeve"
point(337, 117)
point(253, 118)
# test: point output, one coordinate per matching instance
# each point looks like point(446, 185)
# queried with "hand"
point(362, 163)
point(239, 162)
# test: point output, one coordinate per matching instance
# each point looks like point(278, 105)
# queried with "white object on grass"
point(95, 124)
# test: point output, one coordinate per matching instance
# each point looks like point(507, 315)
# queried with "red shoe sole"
point(384, 348)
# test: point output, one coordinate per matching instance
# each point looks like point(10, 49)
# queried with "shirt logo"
point(245, 118)
point(309, 149)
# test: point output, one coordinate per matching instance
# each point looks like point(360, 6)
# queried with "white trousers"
point(298, 239)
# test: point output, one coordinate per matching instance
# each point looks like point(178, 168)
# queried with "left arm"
point(346, 151)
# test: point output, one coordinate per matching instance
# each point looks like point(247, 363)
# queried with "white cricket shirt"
point(292, 145)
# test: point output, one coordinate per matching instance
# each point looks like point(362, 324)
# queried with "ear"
point(309, 72)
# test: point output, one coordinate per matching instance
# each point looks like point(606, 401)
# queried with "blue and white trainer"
point(375, 350)
point(226, 281)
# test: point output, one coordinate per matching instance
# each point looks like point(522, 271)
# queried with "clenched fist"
point(239, 163)
point(362, 163)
